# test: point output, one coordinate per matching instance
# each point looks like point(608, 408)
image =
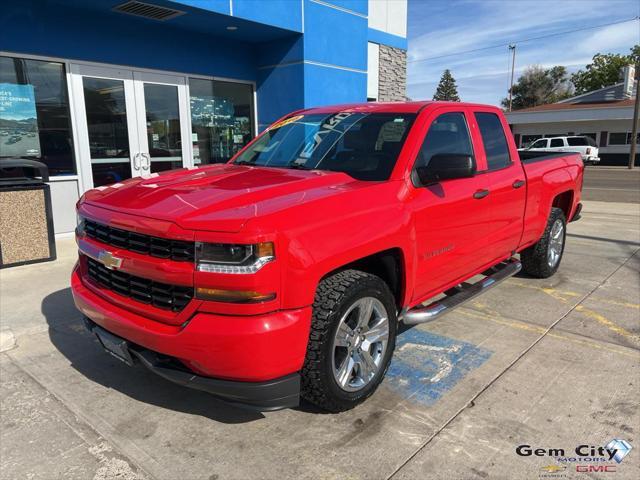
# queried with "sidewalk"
point(549, 363)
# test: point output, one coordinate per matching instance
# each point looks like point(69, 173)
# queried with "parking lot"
point(553, 364)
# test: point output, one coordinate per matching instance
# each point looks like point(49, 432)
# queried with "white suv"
point(586, 146)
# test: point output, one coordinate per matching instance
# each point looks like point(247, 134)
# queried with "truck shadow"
point(68, 335)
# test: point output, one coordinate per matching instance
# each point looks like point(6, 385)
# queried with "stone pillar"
point(392, 74)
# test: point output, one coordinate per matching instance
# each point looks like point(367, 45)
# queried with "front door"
point(130, 123)
point(450, 215)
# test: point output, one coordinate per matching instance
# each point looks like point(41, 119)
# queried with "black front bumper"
point(283, 392)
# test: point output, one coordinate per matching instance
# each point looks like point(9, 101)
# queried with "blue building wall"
point(300, 53)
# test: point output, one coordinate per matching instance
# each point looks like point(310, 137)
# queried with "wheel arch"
point(388, 264)
point(564, 201)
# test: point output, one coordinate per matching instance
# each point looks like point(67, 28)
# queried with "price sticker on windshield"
point(286, 121)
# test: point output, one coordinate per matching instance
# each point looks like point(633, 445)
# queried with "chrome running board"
point(462, 294)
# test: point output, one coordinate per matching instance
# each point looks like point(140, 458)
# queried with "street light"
point(512, 48)
point(634, 128)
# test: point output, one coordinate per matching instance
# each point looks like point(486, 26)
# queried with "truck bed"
point(528, 156)
point(551, 181)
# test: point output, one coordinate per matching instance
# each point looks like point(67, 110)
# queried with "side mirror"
point(446, 166)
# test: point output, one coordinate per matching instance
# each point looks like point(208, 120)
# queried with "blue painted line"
point(425, 366)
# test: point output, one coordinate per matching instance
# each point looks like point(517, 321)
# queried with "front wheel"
point(352, 338)
point(542, 259)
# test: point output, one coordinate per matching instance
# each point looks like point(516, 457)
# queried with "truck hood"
point(220, 197)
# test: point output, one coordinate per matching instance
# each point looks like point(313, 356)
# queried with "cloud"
point(439, 28)
point(621, 36)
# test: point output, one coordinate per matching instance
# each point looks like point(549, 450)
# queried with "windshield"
point(538, 144)
point(362, 145)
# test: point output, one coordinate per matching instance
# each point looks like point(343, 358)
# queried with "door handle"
point(136, 161)
point(148, 165)
point(518, 183)
point(480, 194)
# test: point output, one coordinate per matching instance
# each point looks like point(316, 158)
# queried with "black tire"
point(535, 259)
point(333, 298)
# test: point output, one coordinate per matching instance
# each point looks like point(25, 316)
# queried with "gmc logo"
point(595, 468)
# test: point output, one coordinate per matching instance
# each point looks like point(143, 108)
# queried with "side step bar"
point(464, 293)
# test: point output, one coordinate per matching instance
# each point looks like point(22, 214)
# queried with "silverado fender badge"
point(109, 261)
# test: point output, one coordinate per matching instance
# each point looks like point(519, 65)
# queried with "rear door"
point(450, 223)
point(505, 181)
point(557, 144)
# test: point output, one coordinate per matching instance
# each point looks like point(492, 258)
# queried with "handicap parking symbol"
point(426, 365)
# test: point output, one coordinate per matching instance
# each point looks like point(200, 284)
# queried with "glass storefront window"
point(35, 121)
point(221, 119)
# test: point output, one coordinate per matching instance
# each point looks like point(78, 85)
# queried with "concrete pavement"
point(547, 363)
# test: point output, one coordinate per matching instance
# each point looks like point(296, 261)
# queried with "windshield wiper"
point(298, 166)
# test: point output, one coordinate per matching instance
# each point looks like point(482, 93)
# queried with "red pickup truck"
point(285, 272)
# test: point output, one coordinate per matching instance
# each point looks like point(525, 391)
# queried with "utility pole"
point(512, 48)
point(634, 128)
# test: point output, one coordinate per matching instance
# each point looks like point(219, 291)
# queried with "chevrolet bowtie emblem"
point(553, 468)
point(109, 261)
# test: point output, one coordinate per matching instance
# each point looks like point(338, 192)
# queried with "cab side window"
point(495, 143)
point(542, 143)
point(557, 142)
point(447, 134)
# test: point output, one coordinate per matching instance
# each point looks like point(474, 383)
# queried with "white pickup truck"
point(585, 146)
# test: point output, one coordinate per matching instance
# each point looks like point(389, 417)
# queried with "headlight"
point(230, 258)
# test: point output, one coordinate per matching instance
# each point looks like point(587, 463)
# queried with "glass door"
point(108, 133)
point(130, 123)
point(163, 127)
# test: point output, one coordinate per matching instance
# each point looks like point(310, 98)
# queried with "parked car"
point(586, 146)
point(285, 272)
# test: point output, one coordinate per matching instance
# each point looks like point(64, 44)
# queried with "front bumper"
point(218, 351)
point(273, 394)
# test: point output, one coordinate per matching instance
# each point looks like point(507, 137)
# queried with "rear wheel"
point(352, 339)
point(542, 259)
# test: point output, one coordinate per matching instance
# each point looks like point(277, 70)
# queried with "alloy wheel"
point(556, 243)
point(360, 343)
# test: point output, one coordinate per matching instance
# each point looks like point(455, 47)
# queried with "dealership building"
point(605, 115)
point(105, 90)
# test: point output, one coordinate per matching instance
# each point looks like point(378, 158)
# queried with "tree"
point(447, 89)
point(539, 86)
point(603, 71)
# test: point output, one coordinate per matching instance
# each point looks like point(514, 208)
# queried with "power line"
point(525, 40)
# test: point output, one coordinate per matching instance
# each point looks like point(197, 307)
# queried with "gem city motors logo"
point(587, 458)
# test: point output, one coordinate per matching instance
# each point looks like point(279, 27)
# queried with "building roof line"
point(618, 104)
point(568, 100)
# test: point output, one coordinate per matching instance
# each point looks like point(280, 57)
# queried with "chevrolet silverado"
point(286, 272)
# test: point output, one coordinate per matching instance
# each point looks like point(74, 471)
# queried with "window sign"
point(18, 121)
point(48, 138)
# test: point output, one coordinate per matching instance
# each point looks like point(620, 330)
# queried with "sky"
point(444, 28)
